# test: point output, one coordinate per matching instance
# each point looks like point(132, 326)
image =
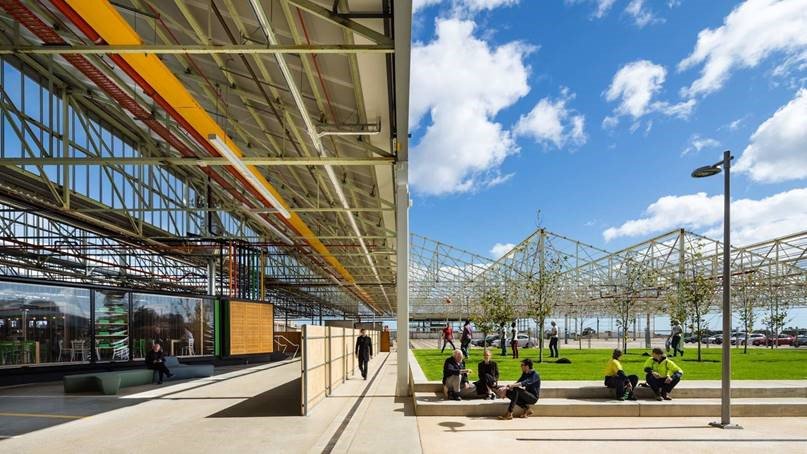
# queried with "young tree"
point(775, 315)
point(542, 291)
point(747, 299)
point(632, 283)
point(485, 315)
point(698, 292)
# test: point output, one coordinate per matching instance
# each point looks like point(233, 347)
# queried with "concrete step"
point(684, 390)
point(430, 404)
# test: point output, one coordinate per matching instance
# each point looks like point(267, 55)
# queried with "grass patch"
point(785, 363)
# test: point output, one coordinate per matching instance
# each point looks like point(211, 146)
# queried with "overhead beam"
point(202, 162)
point(202, 49)
point(342, 21)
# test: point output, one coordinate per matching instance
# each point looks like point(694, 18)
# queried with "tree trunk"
point(698, 328)
point(541, 340)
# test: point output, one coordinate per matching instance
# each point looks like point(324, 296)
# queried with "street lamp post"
point(725, 389)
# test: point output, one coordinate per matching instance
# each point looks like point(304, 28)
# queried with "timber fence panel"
point(315, 366)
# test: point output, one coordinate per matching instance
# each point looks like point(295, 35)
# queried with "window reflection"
point(182, 326)
point(43, 324)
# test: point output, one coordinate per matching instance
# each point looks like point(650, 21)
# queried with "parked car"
point(716, 338)
point(524, 341)
point(757, 339)
point(801, 339)
point(589, 331)
point(737, 337)
point(487, 342)
point(782, 339)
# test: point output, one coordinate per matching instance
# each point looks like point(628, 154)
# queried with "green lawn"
point(785, 363)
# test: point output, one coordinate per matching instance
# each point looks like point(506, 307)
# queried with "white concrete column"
point(402, 277)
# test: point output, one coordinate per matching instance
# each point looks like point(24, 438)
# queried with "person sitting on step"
point(662, 374)
point(455, 377)
point(155, 360)
point(488, 377)
point(615, 377)
point(524, 392)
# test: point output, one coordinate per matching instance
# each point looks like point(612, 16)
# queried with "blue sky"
point(596, 111)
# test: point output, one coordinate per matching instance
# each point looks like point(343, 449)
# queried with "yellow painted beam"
point(114, 29)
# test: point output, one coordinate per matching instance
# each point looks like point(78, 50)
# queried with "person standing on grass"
point(615, 377)
point(675, 338)
point(514, 340)
point(553, 340)
point(488, 376)
point(662, 374)
point(524, 392)
point(448, 337)
point(465, 339)
point(364, 351)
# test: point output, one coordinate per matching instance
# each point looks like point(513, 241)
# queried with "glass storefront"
point(42, 324)
point(182, 326)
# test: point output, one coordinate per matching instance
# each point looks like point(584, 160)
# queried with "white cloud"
point(634, 86)
point(778, 148)
point(751, 220)
point(500, 249)
point(749, 34)
point(462, 83)
point(464, 5)
point(552, 122)
point(698, 143)
point(640, 14)
point(603, 6)
point(418, 5)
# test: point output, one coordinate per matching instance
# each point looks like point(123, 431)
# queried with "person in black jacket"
point(455, 377)
point(524, 392)
point(156, 360)
point(488, 376)
point(364, 351)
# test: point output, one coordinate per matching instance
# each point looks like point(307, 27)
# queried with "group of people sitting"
point(661, 375)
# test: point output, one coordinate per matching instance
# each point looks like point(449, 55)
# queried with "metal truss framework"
point(588, 275)
point(89, 194)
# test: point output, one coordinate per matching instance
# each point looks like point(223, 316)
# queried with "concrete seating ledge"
point(110, 382)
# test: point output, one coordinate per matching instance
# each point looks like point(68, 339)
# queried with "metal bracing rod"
point(340, 20)
point(203, 49)
point(201, 162)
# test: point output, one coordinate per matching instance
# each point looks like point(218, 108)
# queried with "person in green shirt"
point(662, 374)
point(615, 378)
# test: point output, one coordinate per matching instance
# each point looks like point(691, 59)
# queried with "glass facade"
point(182, 326)
point(43, 324)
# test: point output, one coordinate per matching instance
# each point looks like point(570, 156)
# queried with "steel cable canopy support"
point(315, 137)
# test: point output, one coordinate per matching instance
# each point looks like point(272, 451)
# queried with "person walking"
point(662, 374)
point(467, 336)
point(624, 385)
point(155, 360)
point(524, 392)
point(553, 340)
point(675, 338)
point(514, 340)
point(448, 337)
point(364, 351)
point(488, 376)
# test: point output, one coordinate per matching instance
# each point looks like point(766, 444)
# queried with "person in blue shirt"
point(524, 392)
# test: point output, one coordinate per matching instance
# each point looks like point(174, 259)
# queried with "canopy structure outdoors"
point(447, 282)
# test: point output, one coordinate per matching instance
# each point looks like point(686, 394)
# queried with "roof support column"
point(402, 15)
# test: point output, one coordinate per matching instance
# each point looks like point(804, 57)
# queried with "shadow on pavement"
point(283, 400)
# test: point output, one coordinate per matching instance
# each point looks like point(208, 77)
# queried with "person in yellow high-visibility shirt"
point(662, 374)
point(615, 378)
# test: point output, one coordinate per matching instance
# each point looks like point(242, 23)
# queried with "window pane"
point(182, 326)
point(43, 324)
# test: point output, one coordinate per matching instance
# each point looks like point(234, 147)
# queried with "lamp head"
point(705, 171)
